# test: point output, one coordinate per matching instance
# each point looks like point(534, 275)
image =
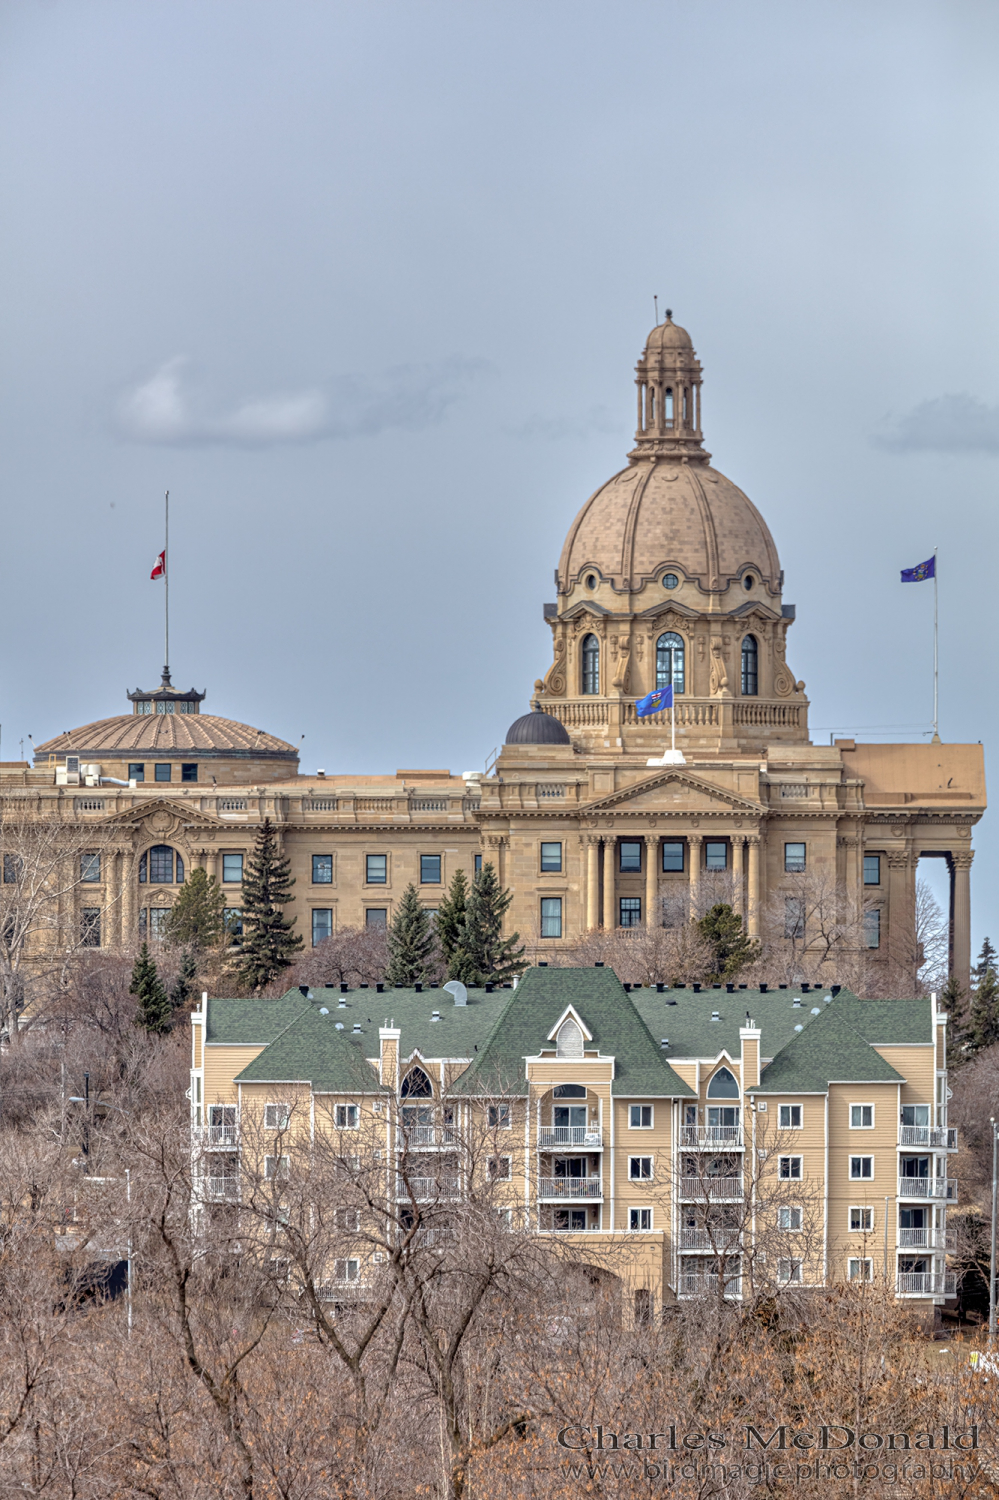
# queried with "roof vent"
point(434, 985)
point(716, 986)
point(799, 1027)
point(730, 988)
point(697, 989)
point(780, 986)
point(664, 1043)
point(379, 987)
point(341, 1003)
point(796, 1003)
point(715, 1015)
point(764, 988)
point(489, 988)
point(660, 988)
point(435, 1015)
point(834, 990)
point(418, 987)
point(323, 1011)
point(344, 988)
point(744, 986)
point(339, 1025)
point(365, 985)
point(816, 1011)
point(805, 988)
point(671, 1001)
point(542, 963)
point(457, 989)
point(598, 964)
point(305, 990)
point(628, 988)
point(828, 1000)
point(357, 1027)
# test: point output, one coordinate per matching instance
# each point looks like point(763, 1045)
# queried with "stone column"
point(694, 842)
point(960, 933)
point(113, 898)
point(651, 879)
point(210, 860)
point(899, 943)
point(609, 842)
point(753, 893)
point(592, 882)
point(496, 842)
point(738, 890)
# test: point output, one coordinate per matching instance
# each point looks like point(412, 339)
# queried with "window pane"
point(12, 867)
point(551, 916)
point(478, 864)
point(189, 771)
point(376, 916)
point(551, 858)
point(715, 856)
point(673, 856)
point(322, 925)
point(430, 869)
point(670, 660)
point(161, 773)
point(136, 771)
point(630, 914)
point(232, 916)
point(180, 870)
point(630, 857)
point(322, 869)
point(232, 868)
point(750, 676)
point(591, 665)
point(872, 929)
point(794, 917)
point(90, 868)
point(794, 857)
point(161, 864)
point(376, 866)
point(157, 921)
point(872, 869)
point(90, 927)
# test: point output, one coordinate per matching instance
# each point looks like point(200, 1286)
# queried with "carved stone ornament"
point(162, 821)
point(719, 673)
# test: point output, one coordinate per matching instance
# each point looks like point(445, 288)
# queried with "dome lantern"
point(668, 377)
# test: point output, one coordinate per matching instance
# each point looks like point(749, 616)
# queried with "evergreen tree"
point(954, 1001)
point(722, 928)
point(411, 941)
point(483, 954)
point(155, 1010)
point(984, 1008)
point(196, 917)
point(451, 921)
point(184, 984)
point(268, 940)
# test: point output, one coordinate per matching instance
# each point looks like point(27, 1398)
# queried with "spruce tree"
point(722, 928)
point(451, 921)
point(483, 954)
point(155, 1010)
point(411, 941)
point(954, 1001)
point(984, 1008)
point(196, 917)
point(268, 941)
point(184, 984)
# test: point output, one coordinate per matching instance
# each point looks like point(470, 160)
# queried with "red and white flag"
point(159, 567)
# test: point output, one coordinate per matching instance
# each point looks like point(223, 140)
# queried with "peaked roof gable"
point(639, 791)
point(312, 1050)
point(830, 1050)
point(189, 816)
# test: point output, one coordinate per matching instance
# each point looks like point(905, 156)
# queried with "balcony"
point(217, 1137)
point(568, 1189)
point(426, 1135)
point(557, 1137)
point(701, 1284)
point(926, 1284)
point(926, 1239)
point(708, 1136)
point(700, 1188)
point(720, 1241)
point(942, 1139)
point(423, 1188)
point(940, 1188)
point(222, 1189)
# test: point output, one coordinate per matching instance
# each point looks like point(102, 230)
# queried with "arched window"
point(416, 1085)
point(750, 667)
point(669, 661)
point(160, 865)
point(668, 404)
point(569, 1091)
point(591, 664)
point(569, 1042)
point(723, 1085)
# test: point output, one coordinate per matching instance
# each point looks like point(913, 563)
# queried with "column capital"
point(962, 858)
point(651, 839)
point(899, 859)
point(497, 840)
point(754, 840)
point(695, 838)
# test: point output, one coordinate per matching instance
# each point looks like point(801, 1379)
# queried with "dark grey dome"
point(537, 729)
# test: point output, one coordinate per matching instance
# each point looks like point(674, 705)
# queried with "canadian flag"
point(159, 567)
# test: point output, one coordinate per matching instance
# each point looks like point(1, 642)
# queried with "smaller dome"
point(537, 729)
point(667, 336)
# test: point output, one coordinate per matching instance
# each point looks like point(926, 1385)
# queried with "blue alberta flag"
point(654, 703)
point(927, 569)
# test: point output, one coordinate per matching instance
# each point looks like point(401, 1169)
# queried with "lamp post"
point(992, 1256)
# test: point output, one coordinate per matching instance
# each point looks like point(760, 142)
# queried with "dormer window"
point(569, 1042)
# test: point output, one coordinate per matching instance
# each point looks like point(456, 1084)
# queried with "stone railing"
point(767, 715)
point(690, 714)
point(319, 804)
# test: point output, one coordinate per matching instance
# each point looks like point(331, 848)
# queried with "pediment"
point(157, 811)
point(658, 794)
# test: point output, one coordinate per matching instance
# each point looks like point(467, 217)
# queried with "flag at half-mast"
point(654, 703)
point(159, 566)
point(921, 571)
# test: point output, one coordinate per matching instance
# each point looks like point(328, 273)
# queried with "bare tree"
point(352, 955)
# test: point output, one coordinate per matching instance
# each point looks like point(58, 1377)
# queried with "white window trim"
point(501, 1124)
point(790, 1208)
point(862, 1261)
point(641, 1208)
point(652, 1117)
point(859, 1208)
point(794, 1263)
point(278, 1104)
point(801, 1116)
point(862, 1104)
point(861, 1178)
point(791, 1156)
point(347, 1108)
point(638, 1177)
point(506, 1176)
point(277, 1175)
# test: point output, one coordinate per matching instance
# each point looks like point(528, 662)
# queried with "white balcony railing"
point(710, 1135)
point(915, 1239)
point(699, 1188)
point(427, 1135)
point(570, 1187)
point(428, 1187)
point(720, 1241)
point(217, 1136)
point(942, 1139)
point(554, 1137)
point(700, 1284)
point(928, 1187)
point(222, 1189)
point(927, 1284)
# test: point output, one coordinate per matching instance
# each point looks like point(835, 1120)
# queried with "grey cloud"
point(947, 424)
point(555, 429)
point(165, 409)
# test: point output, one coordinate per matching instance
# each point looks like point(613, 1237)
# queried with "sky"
point(363, 285)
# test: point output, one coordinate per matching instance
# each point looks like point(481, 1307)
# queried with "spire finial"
point(669, 314)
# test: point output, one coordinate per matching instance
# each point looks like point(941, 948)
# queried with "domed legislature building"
point(669, 576)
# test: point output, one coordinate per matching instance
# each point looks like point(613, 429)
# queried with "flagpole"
point(936, 655)
point(166, 587)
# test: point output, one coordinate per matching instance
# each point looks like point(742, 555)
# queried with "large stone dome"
point(169, 736)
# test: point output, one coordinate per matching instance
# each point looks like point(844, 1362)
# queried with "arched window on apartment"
point(723, 1085)
point(569, 1041)
point(416, 1085)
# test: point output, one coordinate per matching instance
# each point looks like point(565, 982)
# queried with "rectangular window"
point(569, 1218)
point(860, 1270)
point(322, 869)
point(551, 859)
point(916, 1114)
point(347, 1218)
point(794, 858)
point(346, 1270)
point(789, 1168)
point(90, 927)
point(478, 864)
point(630, 911)
point(794, 917)
point(789, 1271)
point(277, 1168)
point(232, 916)
point(789, 1218)
point(872, 869)
point(640, 1116)
point(640, 1168)
point(158, 916)
point(715, 856)
point(90, 868)
point(861, 1168)
point(872, 928)
point(376, 916)
point(136, 771)
point(13, 865)
point(861, 1220)
point(189, 770)
point(161, 772)
point(861, 1116)
point(499, 1117)
point(430, 869)
point(345, 1116)
point(232, 869)
point(629, 857)
point(639, 1218)
point(499, 1168)
point(551, 916)
point(673, 855)
point(789, 1117)
point(276, 1116)
point(376, 869)
point(322, 924)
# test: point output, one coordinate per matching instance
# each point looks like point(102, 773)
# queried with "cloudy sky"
point(363, 286)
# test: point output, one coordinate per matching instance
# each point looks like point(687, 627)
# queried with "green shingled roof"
point(685, 1018)
point(828, 1051)
point(602, 1003)
point(251, 1023)
point(313, 1050)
